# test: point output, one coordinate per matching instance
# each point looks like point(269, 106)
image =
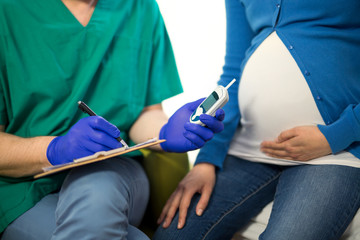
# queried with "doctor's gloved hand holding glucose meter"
point(216, 100)
point(183, 135)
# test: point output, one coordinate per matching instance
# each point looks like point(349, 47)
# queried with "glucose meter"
point(217, 99)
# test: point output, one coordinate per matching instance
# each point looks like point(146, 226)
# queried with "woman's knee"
point(314, 202)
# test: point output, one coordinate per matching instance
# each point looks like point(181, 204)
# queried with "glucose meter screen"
point(210, 101)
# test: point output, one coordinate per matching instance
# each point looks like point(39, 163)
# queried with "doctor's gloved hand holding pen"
point(88, 136)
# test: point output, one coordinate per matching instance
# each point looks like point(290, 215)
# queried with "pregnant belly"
point(274, 96)
point(273, 93)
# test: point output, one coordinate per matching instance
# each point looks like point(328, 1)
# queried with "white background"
point(197, 32)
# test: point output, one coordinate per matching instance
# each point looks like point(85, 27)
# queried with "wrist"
point(51, 150)
point(205, 165)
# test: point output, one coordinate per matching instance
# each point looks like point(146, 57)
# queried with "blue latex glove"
point(183, 136)
point(88, 136)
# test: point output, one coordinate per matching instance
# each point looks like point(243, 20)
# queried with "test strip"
point(231, 83)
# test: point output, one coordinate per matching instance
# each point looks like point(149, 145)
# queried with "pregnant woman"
point(292, 127)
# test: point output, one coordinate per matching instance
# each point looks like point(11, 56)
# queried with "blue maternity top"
point(324, 39)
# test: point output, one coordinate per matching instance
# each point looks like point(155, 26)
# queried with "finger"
point(84, 149)
point(212, 123)
point(184, 206)
point(290, 143)
point(288, 153)
point(286, 135)
point(205, 133)
point(272, 145)
point(193, 105)
point(104, 139)
point(101, 124)
point(93, 147)
point(280, 157)
point(195, 141)
point(166, 208)
point(220, 114)
point(174, 205)
point(204, 200)
point(276, 153)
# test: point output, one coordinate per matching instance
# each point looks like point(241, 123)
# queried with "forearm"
point(344, 131)
point(238, 40)
point(148, 125)
point(20, 157)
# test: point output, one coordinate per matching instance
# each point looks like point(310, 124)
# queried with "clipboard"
point(97, 157)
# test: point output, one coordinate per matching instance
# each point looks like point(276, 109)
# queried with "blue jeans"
point(310, 202)
point(105, 200)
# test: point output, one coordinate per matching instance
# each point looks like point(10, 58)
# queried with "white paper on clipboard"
point(99, 155)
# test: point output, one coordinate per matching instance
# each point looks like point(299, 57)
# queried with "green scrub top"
point(119, 63)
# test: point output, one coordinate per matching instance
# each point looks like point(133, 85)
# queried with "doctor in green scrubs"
point(116, 56)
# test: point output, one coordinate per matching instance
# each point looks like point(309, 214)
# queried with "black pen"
point(83, 107)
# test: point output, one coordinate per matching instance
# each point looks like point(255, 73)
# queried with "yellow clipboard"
point(99, 156)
